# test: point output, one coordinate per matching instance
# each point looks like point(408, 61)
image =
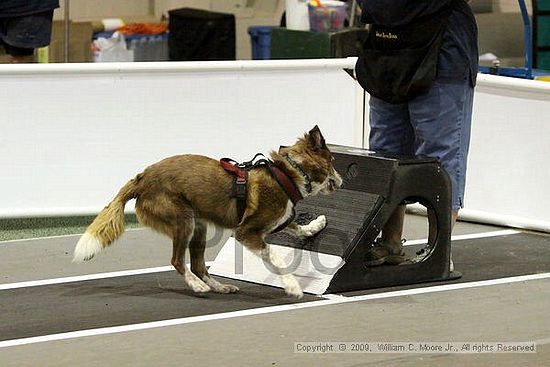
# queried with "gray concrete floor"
point(500, 313)
point(508, 312)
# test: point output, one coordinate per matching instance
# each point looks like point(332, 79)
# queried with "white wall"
point(72, 134)
point(508, 177)
point(247, 13)
point(95, 10)
point(512, 6)
point(85, 10)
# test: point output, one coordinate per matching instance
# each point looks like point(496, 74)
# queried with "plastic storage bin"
point(260, 39)
point(146, 47)
point(149, 47)
point(329, 17)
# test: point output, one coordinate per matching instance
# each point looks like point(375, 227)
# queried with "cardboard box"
point(80, 42)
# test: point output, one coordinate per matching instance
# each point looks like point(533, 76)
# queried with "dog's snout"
point(337, 179)
point(334, 181)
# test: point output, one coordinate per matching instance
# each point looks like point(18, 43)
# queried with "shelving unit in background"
point(541, 34)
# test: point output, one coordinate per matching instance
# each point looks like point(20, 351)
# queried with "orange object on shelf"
point(143, 28)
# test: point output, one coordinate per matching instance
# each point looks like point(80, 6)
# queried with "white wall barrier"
point(508, 181)
point(508, 178)
point(72, 134)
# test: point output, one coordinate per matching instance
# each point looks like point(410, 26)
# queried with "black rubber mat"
point(346, 211)
point(35, 311)
point(489, 258)
point(510, 256)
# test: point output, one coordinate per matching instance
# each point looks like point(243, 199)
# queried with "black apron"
point(398, 64)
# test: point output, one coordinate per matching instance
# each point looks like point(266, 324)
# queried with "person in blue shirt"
point(437, 121)
point(24, 26)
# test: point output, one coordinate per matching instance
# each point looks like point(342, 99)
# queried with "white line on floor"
point(471, 236)
point(265, 310)
point(505, 232)
point(542, 341)
point(80, 278)
point(61, 236)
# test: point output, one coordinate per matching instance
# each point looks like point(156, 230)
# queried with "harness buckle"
point(240, 188)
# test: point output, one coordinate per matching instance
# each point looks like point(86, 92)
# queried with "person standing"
point(419, 65)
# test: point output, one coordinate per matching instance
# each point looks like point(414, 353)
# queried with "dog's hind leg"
point(183, 232)
point(177, 221)
point(198, 265)
point(255, 243)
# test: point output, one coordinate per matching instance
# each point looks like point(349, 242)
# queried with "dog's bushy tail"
point(107, 226)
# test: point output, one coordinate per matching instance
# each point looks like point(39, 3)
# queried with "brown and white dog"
point(179, 196)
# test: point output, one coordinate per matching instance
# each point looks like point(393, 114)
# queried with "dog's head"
point(313, 157)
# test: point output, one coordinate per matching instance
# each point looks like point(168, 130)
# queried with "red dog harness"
point(240, 171)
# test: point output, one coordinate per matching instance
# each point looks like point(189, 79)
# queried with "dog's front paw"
point(294, 292)
point(320, 223)
point(292, 288)
point(315, 226)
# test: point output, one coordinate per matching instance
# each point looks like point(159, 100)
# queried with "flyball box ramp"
point(333, 260)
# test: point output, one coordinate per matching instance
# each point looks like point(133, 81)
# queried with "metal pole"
point(67, 31)
point(352, 13)
point(528, 47)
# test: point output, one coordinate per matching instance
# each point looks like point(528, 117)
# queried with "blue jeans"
point(436, 124)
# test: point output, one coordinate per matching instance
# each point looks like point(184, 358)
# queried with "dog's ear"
point(281, 147)
point(316, 139)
